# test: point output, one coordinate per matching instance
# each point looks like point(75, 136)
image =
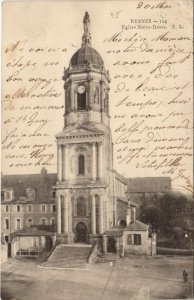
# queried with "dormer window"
point(30, 194)
point(81, 98)
point(7, 194)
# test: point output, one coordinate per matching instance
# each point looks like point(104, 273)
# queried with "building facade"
point(87, 197)
point(84, 188)
point(27, 200)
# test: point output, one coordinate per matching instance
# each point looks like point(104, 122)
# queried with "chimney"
point(134, 213)
point(128, 216)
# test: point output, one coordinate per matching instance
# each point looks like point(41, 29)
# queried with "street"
point(135, 277)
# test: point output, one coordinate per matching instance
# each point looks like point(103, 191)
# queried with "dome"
point(86, 55)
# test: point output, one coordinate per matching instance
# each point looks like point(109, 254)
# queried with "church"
point(85, 188)
point(87, 201)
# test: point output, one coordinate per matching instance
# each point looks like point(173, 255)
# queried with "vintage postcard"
point(97, 150)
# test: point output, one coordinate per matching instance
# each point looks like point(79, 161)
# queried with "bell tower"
point(84, 157)
point(86, 84)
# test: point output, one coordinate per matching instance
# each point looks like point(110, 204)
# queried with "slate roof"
point(137, 226)
point(86, 55)
point(33, 231)
point(149, 184)
point(42, 184)
point(120, 177)
point(114, 231)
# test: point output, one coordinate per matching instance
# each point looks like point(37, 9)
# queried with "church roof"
point(86, 55)
point(120, 177)
point(149, 184)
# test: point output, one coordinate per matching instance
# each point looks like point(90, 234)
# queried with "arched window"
point(81, 98)
point(81, 207)
point(81, 164)
point(96, 95)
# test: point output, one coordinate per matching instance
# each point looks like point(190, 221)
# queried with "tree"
point(167, 212)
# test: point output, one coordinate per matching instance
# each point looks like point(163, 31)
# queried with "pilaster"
point(94, 161)
point(100, 160)
point(65, 214)
point(66, 162)
point(101, 219)
point(93, 214)
point(59, 162)
point(59, 214)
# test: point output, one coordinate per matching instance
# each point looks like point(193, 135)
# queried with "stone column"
point(94, 161)
point(65, 214)
point(90, 92)
point(105, 214)
point(66, 162)
point(100, 160)
point(58, 214)
point(123, 246)
point(102, 95)
point(117, 245)
point(72, 96)
point(104, 243)
point(59, 162)
point(153, 244)
point(114, 210)
point(101, 219)
point(93, 214)
point(70, 215)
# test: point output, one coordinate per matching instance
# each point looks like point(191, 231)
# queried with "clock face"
point(81, 89)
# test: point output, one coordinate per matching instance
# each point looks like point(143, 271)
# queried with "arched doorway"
point(81, 232)
point(48, 243)
point(111, 245)
point(123, 223)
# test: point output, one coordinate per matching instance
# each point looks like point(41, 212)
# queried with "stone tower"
point(84, 189)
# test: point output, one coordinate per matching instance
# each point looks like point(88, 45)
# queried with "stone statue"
point(86, 23)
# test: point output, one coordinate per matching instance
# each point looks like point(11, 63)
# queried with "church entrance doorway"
point(111, 245)
point(81, 232)
point(48, 243)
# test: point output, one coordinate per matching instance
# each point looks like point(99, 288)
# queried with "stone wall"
point(121, 211)
point(144, 248)
point(3, 253)
point(29, 242)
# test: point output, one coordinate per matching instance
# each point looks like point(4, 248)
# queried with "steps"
point(69, 256)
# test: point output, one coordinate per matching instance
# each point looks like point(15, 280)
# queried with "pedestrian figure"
point(185, 276)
